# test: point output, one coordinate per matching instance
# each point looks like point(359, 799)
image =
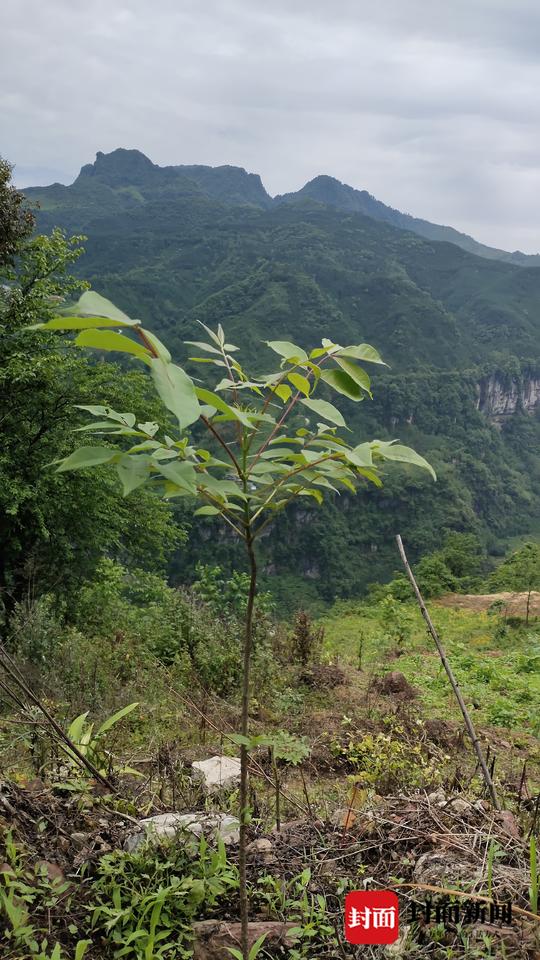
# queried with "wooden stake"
point(450, 674)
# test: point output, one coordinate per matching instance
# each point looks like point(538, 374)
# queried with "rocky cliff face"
point(499, 397)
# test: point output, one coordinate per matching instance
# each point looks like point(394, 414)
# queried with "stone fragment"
point(166, 825)
point(438, 797)
point(217, 773)
point(460, 806)
point(509, 824)
point(262, 850)
point(213, 938)
point(53, 871)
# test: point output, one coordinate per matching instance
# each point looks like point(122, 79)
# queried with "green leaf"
point(218, 403)
point(133, 471)
point(92, 304)
point(342, 383)
point(91, 311)
point(301, 383)
point(76, 727)
point(356, 373)
point(282, 391)
point(396, 451)
point(127, 419)
point(109, 340)
point(181, 473)
point(177, 391)
point(325, 410)
point(207, 347)
point(288, 350)
point(362, 352)
point(158, 346)
point(150, 427)
point(206, 512)
point(119, 715)
point(254, 952)
point(87, 457)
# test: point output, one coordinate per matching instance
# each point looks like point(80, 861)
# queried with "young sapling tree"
point(270, 442)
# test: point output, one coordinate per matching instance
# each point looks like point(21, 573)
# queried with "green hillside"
point(461, 334)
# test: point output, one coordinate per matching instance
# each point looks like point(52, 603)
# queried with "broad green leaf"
point(287, 350)
point(76, 727)
point(283, 392)
point(315, 494)
point(176, 390)
point(133, 471)
point(362, 352)
point(78, 323)
point(87, 457)
point(396, 451)
point(301, 383)
point(109, 340)
point(119, 715)
point(220, 488)
point(218, 403)
point(91, 311)
point(92, 304)
point(357, 460)
point(99, 425)
point(158, 346)
point(356, 373)
point(150, 427)
point(325, 410)
point(370, 475)
point(180, 473)
point(363, 452)
point(342, 383)
point(206, 512)
point(127, 419)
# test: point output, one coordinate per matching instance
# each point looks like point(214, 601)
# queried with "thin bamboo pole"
point(450, 674)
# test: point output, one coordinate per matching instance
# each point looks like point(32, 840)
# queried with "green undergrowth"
point(497, 664)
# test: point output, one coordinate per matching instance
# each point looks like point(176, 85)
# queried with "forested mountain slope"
point(461, 334)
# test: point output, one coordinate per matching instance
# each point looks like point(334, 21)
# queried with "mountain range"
point(458, 322)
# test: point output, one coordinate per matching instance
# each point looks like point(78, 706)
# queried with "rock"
point(438, 797)
point(436, 867)
point(398, 948)
point(213, 938)
point(461, 807)
point(166, 825)
point(217, 773)
point(262, 850)
point(53, 871)
point(509, 824)
point(343, 818)
point(79, 838)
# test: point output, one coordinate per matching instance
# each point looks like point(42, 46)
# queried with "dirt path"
point(515, 603)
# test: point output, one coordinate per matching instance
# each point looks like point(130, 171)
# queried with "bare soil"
point(515, 603)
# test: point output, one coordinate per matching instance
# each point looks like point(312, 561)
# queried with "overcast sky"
point(431, 105)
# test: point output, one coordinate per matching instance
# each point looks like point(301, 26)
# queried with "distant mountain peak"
point(120, 167)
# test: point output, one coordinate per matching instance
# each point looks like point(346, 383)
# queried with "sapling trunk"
point(278, 797)
point(246, 687)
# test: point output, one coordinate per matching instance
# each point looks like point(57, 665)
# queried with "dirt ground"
point(515, 603)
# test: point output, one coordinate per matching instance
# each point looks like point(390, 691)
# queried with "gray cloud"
point(432, 107)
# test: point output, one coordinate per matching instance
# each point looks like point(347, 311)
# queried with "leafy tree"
point(520, 572)
point(16, 219)
point(271, 442)
point(54, 528)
